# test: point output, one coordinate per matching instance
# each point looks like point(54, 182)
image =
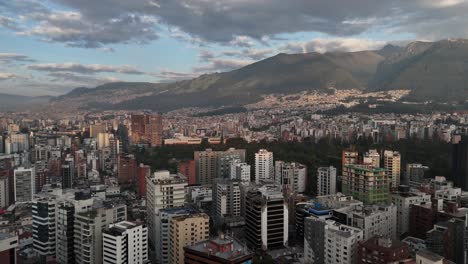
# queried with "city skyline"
point(51, 47)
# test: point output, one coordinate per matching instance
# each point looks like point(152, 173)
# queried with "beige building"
point(187, 230)
point(392, 163)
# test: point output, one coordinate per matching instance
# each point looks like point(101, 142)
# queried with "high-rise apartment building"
point(403, 198)
point(95, 129)
point(125, 243)
point(392, 163)
point(163, 190)
point(264, 168)
point(375, 220)
point(266, 220)
point(88, 230)
point(163, 244)
point(341, 243)
point(414, 175)
point(372, 157)
point(144, 171)
point(24, 184)
point(187, 168)
point(227, 198)
point(240, 171)
point(4, 191)
point(291, 176)
point(68, 173)
point(205, 166)
point(187, 230)
point(366, 183)
point(127, 168)
point(44, 229)
point(155, 130)
point(326, 181)
point(348, 158)
point(225, 159)
point(460, 161)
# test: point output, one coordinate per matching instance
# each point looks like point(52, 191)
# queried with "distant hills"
point(10, 102)
point(433, 71)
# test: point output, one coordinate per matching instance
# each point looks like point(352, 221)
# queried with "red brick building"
point(187, 168)
point(378, 250)
point(144, 171)
point(127, 169)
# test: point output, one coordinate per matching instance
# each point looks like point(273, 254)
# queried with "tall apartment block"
point(24, 184)
point(372, 157)
point(392, 163)
point(187, 230)
point(264, 168)
point(414, 175)
point(240, 171)
point(366, 183)
point(403, 198)
point(125, 243)
point(227, 198)
point(205, 166)
point(224, 160)
point(348, 158)
point(266, 218)
point(163, 190)
point(326, 181)
point(341, 243)
point(291, 176)
point(88, 230)
point(156, 130)
point(163, 244)
point(44, 228)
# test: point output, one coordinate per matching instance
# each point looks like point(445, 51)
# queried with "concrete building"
point(381, 250)
point(68, 173)
point(314, 240)
point(372, 157)
point(348, 158)
point(392, 163)
point(223, 250)
point(44, 226)
point(375, 220)
point(155, 129)
point(266, 216)
point(240, 171)
point(24, 184)
point(127, 168)
point(163, 231)
point(403, 198)
point(163, 190)
point(366, 183)
point(187, 168)
point(125, 243)
point(341, 243)
point(224, 160)
point(187, 230)
point(205, 166)
point(291, 176)
point(88, 230)
point(326, 181)
point(8, 248)
point(227, 198)
point(427, 257)
point(264, 169)
point(414, 175)
point(4, 192)
point(95, 129)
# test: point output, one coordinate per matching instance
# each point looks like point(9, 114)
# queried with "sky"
point(49, 47)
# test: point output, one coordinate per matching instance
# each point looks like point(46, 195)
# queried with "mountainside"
point(436, 71)
point(12, 102)
point(432, 71)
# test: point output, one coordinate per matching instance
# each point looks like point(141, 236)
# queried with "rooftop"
point(223, 247)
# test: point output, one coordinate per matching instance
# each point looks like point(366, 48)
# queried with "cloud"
point(11, 76)
point(84, 69)
point(254, 54)
point(9, 23)
point(323, 45)
point(172, 76)
point(14, 57)
point(219, 65)
point(81, 79)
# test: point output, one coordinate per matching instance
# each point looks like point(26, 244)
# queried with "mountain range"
point(432, 71)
